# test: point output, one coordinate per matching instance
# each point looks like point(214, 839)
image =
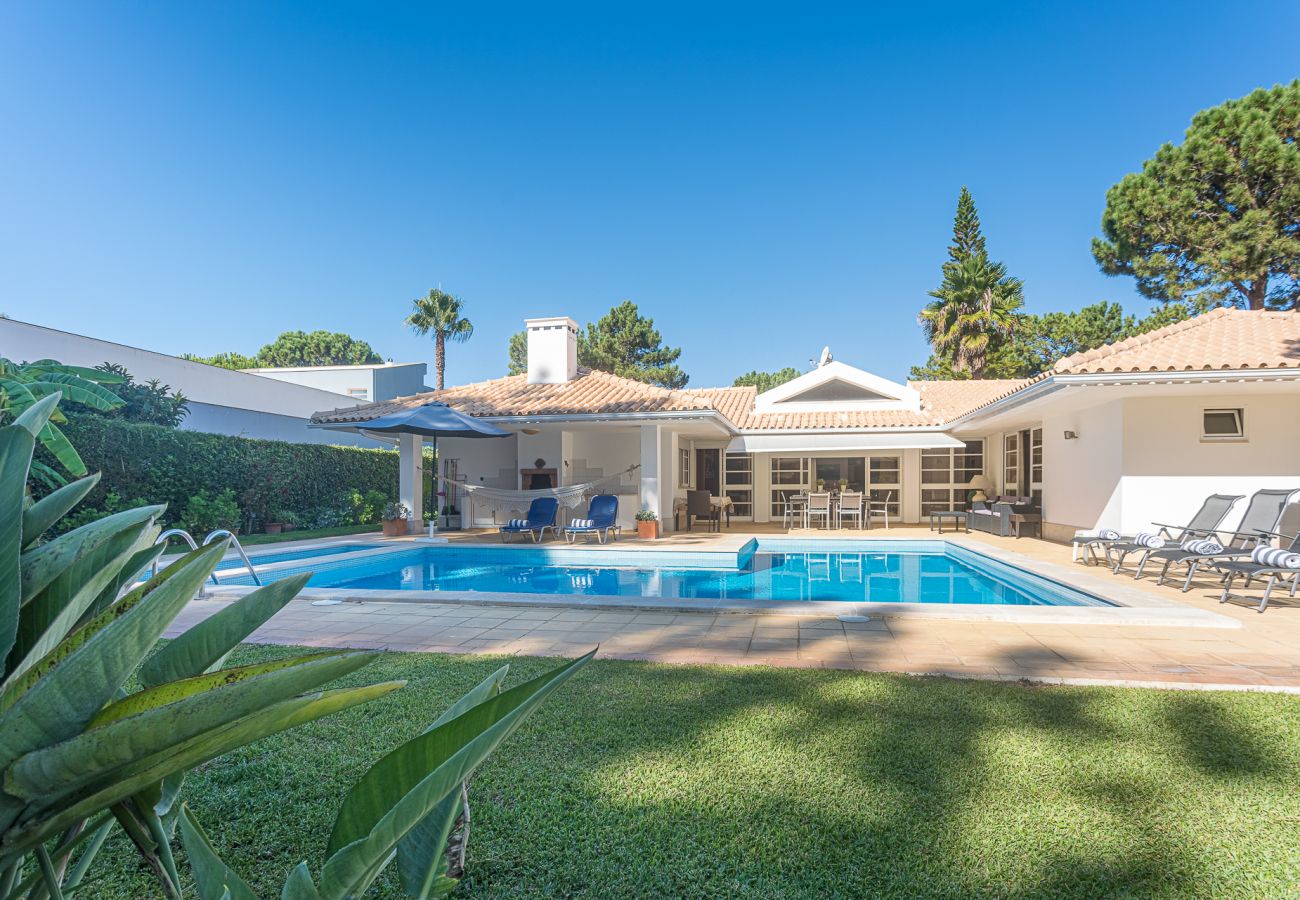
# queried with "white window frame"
point(730, 483)
point(957, 491)
point(1238, 412)
point(684, 467)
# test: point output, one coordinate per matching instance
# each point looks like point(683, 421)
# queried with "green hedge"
point(165, 465)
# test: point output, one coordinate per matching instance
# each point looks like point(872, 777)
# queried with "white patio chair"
point(850, 507)
point(880, 507)
point(819, 504)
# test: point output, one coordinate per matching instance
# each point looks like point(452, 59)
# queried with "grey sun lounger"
point(1202, 525)
point(1260, 520)
point(1252, 570)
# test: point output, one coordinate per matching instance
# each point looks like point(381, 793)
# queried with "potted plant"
point(289, 519)
point(276, 520)
point(647, 525)
point(395, 516)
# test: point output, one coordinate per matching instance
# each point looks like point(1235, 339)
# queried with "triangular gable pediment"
point(837, 386)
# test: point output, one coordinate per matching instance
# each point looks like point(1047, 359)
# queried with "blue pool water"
point(772, 570)
point(275, 556)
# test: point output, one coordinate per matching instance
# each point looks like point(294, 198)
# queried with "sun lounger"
point(541, 516)
point(1274, 563)
point(1260, 520)
point(601, 520)
point(1202, 525)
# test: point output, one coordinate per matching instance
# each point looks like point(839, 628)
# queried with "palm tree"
point(978, 301)
point(439, 314)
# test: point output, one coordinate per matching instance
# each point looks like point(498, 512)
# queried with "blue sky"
point(762, 180)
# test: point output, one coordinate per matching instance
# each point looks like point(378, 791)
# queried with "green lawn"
point(307, 534)
point(672, 781)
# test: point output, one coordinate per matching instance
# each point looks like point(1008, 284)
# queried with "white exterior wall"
point(1169, 470)
point(268, 426)
point(222, 401)
point(1083, 480)
point(1141, 461)
point(596, 454)
point(493, 462)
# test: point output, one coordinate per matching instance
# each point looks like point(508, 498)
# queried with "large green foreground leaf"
point(205, 645)
point(213, 878)
point(61, 701)
point(41, 515)
point(404, 787)
point(16, 445)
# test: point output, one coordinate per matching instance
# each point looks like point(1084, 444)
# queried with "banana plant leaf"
point(404, 787)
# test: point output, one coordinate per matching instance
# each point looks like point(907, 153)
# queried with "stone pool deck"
point(1256, 651)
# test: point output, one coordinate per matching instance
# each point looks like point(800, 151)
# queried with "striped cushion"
point(1104, 534)
point(1148, 540)
point(1276, 558)
point(1202, 545)
point(517, 523)
point(581, 523)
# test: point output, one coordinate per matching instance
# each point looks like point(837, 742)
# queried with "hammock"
point(569, 496)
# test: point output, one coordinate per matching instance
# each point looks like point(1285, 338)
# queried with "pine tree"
point(976, 308)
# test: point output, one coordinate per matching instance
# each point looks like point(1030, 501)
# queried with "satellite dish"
point(825, 357)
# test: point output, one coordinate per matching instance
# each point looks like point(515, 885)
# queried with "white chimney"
point(552, 350)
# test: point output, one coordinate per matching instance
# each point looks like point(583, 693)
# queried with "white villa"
point(1122, 436)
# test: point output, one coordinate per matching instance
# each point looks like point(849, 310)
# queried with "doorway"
point(708, 471)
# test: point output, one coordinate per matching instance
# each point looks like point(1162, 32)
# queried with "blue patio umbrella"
point(432, 420)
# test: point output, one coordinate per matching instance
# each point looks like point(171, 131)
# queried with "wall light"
point(1072, 435)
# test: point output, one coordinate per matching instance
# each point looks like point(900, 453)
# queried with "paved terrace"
point(1264, 653)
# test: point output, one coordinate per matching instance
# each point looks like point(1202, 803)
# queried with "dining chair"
point(881, 507)
point(850, 508)
point(819, 504)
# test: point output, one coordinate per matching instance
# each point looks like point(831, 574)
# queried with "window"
point(946, 474)
point(739, 484)
point(1223, 425)
point(359, 393)
point(684, 467)
point(1036, 466)
point(790, 475)
point(1011, 464)
point(887, 483)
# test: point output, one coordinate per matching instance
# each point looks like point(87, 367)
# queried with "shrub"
point(373, 506)
point(165, 465)
point(207, 512)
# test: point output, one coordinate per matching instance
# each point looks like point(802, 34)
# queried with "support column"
point(654, 481)
point(410, 479)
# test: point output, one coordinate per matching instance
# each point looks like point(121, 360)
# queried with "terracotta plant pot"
point(647, 531)
point(274, 527)
point(394, 527)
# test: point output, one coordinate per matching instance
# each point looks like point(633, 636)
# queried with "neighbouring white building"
point(221, 401)
point(380, 381)
point(1121, 436)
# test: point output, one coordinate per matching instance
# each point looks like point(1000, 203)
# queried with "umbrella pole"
point(433, 520)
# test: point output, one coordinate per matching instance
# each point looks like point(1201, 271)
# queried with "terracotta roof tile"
point(591, 392)
point(1220, 339)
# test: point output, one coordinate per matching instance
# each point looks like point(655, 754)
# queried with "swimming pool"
point(277, 556)
point(881, 571)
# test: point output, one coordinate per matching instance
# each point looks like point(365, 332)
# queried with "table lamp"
point(979, 484)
